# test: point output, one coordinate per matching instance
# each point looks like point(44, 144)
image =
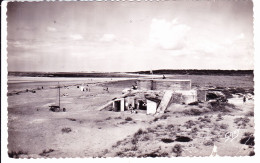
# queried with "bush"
point(223, 126)
point(14, 154)
point(177, 149)
point(108, 118)
point(189, 124)
point(192, 112)
point(221, 106)
point(251, 153)
point(167, 140)
point(137, 136)
point(66, 130)
point(139, 132)
point(208, 143)
point(134, 141)
point(128, 119)
point(248, 140)
point(194, 130)
point(250, 114)
point(204, 119)
point(242, 121)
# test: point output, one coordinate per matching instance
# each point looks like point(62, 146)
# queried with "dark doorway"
point(117, 105)
point(142, 105)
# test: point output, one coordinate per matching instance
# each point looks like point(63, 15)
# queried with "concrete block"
point(165, 101)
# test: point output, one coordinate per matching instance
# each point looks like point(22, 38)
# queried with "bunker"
point(163, 84)
point(155, 95)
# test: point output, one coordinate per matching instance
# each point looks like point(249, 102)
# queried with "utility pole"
point(59, 92)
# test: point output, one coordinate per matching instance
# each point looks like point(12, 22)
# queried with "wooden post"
point(59, 92)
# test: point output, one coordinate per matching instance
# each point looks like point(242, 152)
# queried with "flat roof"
point(165, 79)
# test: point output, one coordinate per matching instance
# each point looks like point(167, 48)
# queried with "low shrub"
point(192, 112)
point(177, 149)
point(108, 118)
point(14, 154)
point(242, 122)
point(251, 153)
point(223, 126)
point(204, 119)
point(167, 140)
point(248, 140)
point(66, 130)
point(128, 119)
point(189, 124)
point(208, 143)
point(250, 114)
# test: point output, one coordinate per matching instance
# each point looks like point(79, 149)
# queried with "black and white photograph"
point(130, 79)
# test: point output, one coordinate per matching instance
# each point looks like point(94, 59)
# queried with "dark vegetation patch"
point(219, 117)
point(128, 119)
point(205, 119)
point(229, 92)
point(66, 130)
point(139, 136)
point(216, 95)
point(168, 134)
point(167, 140)
point(248, 139)
point(242, 122)
point(183, 139)
point(46, 152)
point(208, 143)
point(194, 103)
point(223, 126)
point(164, 116)
point(155, 154)
point(189, 124)
point(193, 111)
point(108, 118)
point(221, 106)
point(250, 114)
point(71, 119)
point(251, 153)
point(14, 154)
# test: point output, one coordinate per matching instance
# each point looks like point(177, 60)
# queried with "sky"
point(130, 36)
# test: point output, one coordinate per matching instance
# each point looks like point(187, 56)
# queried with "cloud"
point(240, 36)
point(76, 37)
point(168, 35)
point(107, 38)
point(51, 29)
point(235, 39)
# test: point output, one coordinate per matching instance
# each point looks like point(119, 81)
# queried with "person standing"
point(244, 99)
